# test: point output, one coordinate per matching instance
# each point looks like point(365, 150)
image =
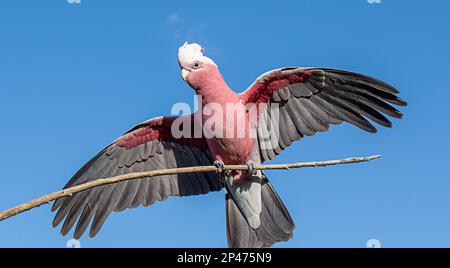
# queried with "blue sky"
point(73, 77)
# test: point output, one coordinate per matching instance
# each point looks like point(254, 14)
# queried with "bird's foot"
point(251, 167)
point(220, 165)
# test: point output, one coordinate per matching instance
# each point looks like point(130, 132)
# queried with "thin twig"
point(139, 175)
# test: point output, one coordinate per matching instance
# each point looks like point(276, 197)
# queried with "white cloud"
point(185, 30)
point(173, 18)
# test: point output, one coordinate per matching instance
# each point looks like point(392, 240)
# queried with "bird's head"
point(195, 67)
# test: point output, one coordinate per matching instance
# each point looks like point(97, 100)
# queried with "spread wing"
point(148, 146)
point(298, 102)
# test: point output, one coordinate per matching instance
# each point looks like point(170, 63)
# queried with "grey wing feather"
point(95, 205)
point(325, 98)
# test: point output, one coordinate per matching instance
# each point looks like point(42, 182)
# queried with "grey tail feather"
point(276, 222)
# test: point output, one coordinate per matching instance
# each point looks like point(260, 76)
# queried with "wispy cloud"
point(175, 23)
point(185, 30)
point(173, 19)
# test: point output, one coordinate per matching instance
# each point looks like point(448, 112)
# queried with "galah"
point(294, 102)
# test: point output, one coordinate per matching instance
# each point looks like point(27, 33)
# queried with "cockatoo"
point(289, 104)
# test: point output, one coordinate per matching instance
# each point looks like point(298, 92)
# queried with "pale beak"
point(184, 74)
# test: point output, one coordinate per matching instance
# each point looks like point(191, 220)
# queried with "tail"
point(276, 222)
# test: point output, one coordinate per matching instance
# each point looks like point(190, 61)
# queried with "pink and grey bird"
point(293, 103)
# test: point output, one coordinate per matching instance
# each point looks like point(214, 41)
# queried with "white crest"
point(189, 53)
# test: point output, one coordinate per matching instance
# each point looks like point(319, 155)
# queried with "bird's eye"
point(196, 65)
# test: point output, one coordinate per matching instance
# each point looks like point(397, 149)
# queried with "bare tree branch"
point(139, 175)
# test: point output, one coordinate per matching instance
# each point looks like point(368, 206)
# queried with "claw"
point(251, 167)
point(220, 165)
